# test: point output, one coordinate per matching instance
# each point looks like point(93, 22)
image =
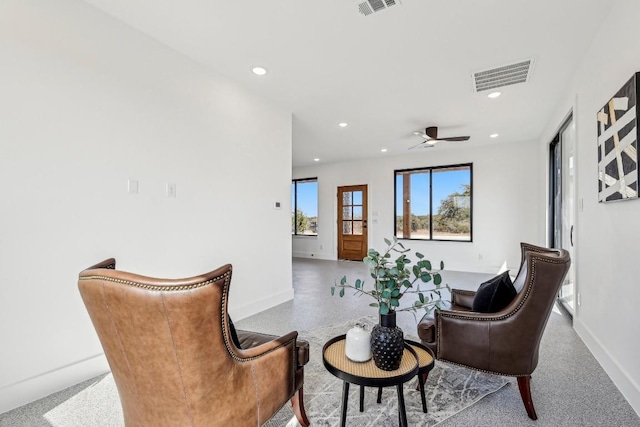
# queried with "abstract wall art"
point(618, 145)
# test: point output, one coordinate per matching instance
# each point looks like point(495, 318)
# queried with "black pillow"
point(234, 335)
point(494, 294)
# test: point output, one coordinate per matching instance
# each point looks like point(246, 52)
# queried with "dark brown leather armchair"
point(169, 346)
point(507, 342)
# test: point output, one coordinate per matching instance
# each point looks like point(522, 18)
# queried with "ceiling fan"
point(430, 136)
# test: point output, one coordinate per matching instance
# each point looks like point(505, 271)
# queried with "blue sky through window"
point(444, 184)
point(307, 198)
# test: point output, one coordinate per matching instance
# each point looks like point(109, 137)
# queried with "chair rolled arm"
point(250, 339)
point(462, 298)
point(302, 348)
point(427, 330)
point(257, 345)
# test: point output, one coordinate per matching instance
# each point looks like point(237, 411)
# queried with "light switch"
point(132, 186)
point(171, 190)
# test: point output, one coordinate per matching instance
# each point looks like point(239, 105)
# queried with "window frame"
point(295, 182)
point(431, 170)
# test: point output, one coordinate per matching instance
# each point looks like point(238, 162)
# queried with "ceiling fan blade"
point(421, 134)
point(455, 138)
point(429, 143)
point(430, 136)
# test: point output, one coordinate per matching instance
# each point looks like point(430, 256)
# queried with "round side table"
point(367, 374)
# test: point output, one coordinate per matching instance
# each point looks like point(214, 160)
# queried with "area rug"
point(449, 390)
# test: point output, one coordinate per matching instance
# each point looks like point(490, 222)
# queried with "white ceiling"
point(386, 74)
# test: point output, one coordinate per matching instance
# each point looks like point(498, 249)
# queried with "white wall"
point(607, 235)
point(85, 104)
point(506, 204)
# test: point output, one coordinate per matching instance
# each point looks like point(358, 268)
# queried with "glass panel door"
point(352, 225)
point(352, 212)
point(563, 195)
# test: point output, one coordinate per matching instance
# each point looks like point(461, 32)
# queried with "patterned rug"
point(449, 390)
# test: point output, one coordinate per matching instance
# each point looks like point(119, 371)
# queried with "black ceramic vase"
point(387, 343)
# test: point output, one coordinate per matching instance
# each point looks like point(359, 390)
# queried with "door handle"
point(571, 236)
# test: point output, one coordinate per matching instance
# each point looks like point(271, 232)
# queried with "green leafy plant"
point(395, 279)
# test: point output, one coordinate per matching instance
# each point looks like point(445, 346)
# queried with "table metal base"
point(402, 412)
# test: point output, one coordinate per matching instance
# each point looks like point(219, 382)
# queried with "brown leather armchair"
point(507, 342)
point(170, 349)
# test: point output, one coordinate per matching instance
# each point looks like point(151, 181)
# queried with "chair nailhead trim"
point(156, 287)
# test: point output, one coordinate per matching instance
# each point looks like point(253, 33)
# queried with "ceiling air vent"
point(502, 76)
point(370, 6)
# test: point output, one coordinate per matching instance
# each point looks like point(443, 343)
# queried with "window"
point(304, 207)
point(434, 203)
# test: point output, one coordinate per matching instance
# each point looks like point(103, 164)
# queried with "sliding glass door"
point(562, 203)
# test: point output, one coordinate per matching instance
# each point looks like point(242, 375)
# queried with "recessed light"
point(316, 160)
point(494, 94)
point(384, 150)
point(259, 71)
point(494, 135)
point(343, 124)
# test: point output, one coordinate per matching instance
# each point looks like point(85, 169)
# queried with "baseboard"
point(314, 255)
point(239, 313)
point(627, 386)
point(41, 385)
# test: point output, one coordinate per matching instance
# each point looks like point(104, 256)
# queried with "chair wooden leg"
point(524, 384)
point(297, 403)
